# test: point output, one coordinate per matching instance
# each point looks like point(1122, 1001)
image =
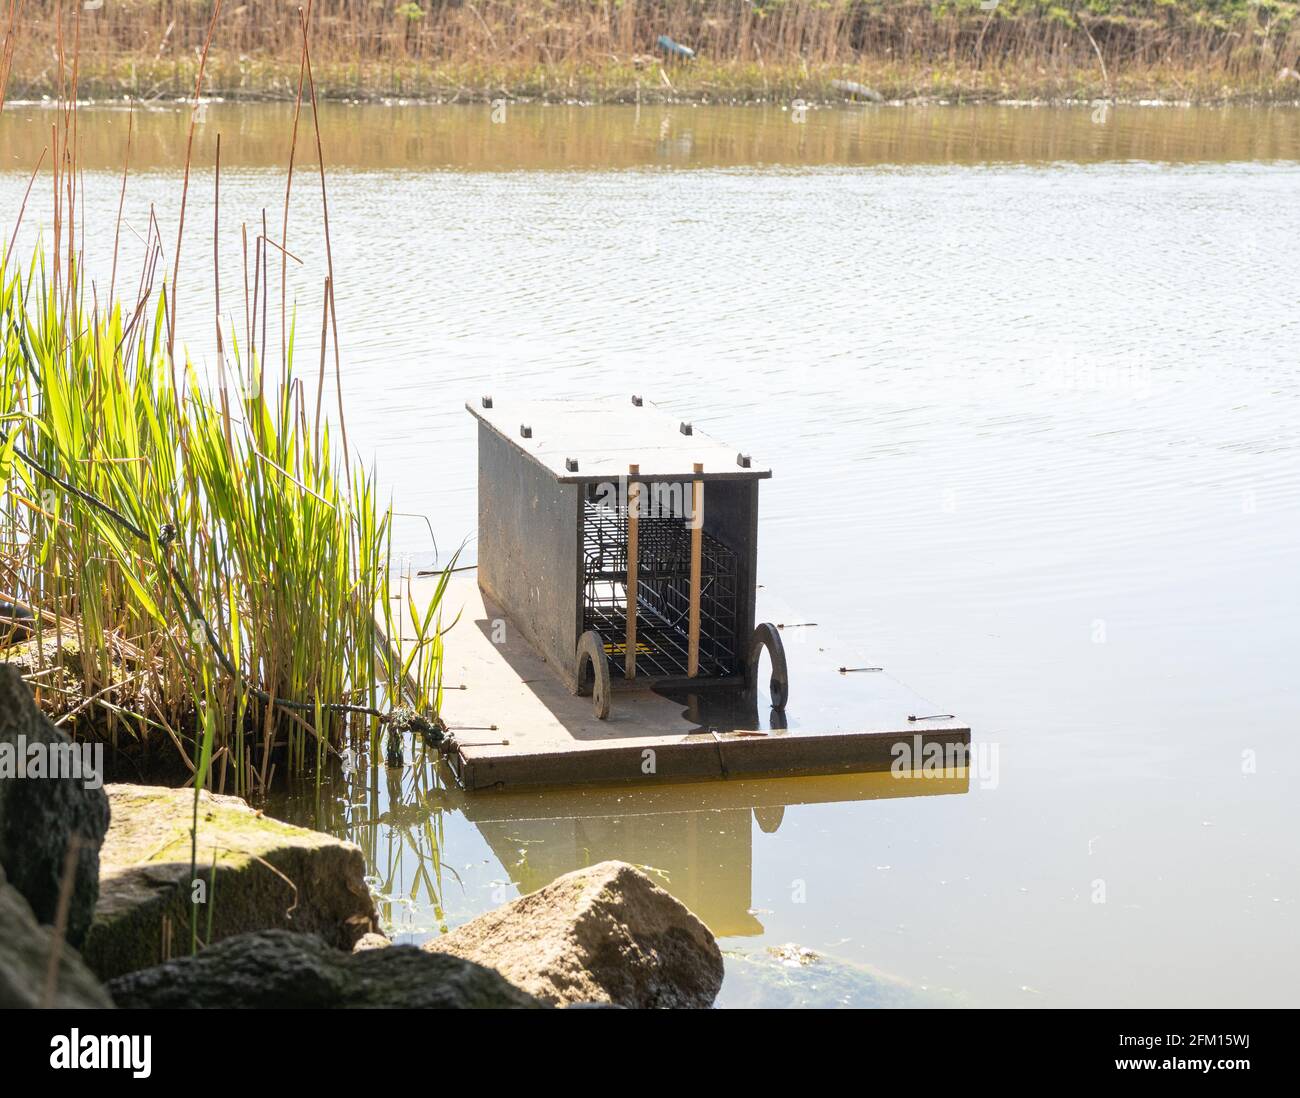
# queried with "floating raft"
point(517, 725)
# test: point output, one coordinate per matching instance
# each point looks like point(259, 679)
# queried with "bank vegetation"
point(610, 50)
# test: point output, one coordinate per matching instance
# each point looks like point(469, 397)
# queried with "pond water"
point(1028, 381)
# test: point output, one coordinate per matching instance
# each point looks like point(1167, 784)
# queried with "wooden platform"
point(518, 726)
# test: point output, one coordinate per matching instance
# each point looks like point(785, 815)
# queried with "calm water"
point(1029, 385)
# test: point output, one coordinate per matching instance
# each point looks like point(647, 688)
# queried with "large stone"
point(25, 948)
point(606, 934)
point(41, 817)
point(278, 969)
point(268, 875)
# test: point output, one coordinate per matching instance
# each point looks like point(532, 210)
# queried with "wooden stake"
point(633, 531)
point(697, 553)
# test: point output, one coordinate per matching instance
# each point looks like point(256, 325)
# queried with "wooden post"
point(697, 553)
point(633, 532)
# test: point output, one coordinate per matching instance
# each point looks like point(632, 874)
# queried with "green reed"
point(288, 564)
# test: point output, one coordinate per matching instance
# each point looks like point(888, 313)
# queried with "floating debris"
point(857, 91)
point(775, 979)
point(794, 956)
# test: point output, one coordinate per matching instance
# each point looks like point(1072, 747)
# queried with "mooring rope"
point(402, 718)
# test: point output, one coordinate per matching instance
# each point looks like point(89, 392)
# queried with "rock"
point(16, 622)
point(269, 874)
point(603, 935)
point(25, 961)
point(41, 816)
point(373, 940)
point(280, 969)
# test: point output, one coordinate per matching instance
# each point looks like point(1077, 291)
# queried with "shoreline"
point(1204, 52)
point(484, 98)
point(701, 83)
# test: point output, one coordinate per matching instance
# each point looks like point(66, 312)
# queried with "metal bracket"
point(767, 636)
point(591, 648)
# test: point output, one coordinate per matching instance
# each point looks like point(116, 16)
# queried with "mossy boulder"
point(274, 969)
point(252, 873)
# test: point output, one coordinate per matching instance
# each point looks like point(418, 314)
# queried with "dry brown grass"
point(605, 49)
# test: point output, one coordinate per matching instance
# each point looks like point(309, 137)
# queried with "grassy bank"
point(1198, 50)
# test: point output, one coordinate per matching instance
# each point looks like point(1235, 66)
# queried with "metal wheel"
point(767, 636)
point(591, 653)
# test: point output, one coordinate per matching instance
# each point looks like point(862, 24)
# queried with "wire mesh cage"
point(663, 581)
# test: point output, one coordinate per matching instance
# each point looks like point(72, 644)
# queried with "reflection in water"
point(396, 816)
point(702, 857)
point(463, 138)
point(695, 840)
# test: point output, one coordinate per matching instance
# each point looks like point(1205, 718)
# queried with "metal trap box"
point(622, 544)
